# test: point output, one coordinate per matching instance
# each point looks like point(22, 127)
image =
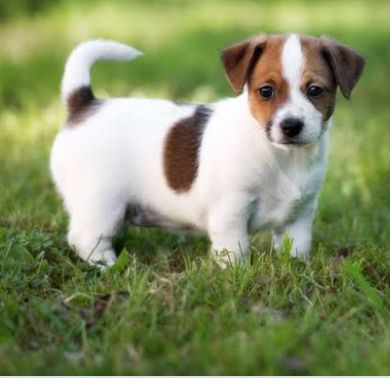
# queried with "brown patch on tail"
point(81, 104)
point(181, 149)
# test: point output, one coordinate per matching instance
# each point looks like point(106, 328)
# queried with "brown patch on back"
point(268, 71)
point(81, 104)
point(181, 149)
point(317, 71)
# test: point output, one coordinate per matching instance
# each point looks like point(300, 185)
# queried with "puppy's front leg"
point(228, 231)
point(299, 231)
point(92, 227)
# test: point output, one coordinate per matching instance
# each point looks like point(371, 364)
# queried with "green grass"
point(164, 308)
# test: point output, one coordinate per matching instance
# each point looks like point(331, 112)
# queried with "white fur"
point(298, 106)
point(85, 55)
point(244, 183)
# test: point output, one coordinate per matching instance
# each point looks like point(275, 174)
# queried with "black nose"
point(291, 126)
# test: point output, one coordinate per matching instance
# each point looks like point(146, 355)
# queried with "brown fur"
point(181, 150)
point(317, 71)
point(81, 104)
point(268, 71)
point(239, 60)
point(258, 62)
point(347, 64)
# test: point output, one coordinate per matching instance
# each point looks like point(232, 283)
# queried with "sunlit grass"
point(146, 23)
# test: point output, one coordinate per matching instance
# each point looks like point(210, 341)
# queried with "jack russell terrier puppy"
point(225, 169)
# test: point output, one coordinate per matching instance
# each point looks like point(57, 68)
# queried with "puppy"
point(225, 169)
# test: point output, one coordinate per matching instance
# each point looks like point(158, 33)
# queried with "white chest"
point(280, 198)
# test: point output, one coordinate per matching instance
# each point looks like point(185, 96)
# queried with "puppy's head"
point(291, 82)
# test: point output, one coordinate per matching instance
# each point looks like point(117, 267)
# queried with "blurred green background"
point(182, 41)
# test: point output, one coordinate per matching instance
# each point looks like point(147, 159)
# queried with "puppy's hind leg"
point(93, 224)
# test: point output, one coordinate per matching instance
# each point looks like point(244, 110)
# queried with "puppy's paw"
point(103, 259)
point(224, 258)
point(303, 256)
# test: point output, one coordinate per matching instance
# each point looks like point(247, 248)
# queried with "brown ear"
point(239, 59)
point(346, 63)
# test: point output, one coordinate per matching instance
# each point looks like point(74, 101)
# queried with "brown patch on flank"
point(81, 103)
point(181, 149)
point(268, 71)
point(317, 71)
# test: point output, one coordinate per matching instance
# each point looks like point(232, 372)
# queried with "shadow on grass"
point(153, 246)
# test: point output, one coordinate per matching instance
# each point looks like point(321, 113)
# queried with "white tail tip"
point(81, 59)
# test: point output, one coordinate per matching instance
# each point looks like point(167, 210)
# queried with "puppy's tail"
point(75, 89)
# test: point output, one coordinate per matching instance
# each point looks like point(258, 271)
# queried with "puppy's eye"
point(314, 91)
point(266, 92)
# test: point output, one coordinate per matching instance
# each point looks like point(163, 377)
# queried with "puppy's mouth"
point(285, 142)
point(290, 145)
